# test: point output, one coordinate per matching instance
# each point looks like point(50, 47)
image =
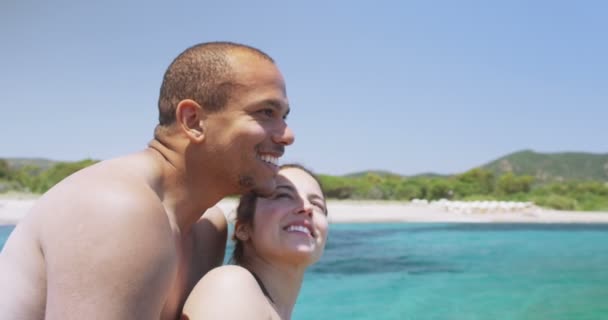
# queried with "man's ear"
point(190, 117)
point(241, 232)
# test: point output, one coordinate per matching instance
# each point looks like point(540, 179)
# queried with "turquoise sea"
point(457, 271)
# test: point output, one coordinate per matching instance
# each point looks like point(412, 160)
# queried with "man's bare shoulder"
point(113, 234)
point(93, 225)
point(101, 199)
point(107, 187)
point(98, 206)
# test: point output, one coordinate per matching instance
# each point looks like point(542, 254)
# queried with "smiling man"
point(127, 238)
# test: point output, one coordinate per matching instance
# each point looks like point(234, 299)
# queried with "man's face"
point(250, 133)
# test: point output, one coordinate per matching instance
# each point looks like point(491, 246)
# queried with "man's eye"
point(267, 112)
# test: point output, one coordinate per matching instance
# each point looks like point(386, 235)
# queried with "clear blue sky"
point(405, 86)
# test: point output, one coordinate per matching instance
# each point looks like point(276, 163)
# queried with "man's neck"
point(185, 195)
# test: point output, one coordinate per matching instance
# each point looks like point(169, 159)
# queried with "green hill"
point(431, 175)
point(547, 167)
point(386, 174)
point(381, 173)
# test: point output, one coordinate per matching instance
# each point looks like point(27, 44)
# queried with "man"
point(124, 239)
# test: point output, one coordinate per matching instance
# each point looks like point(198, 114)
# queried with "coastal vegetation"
point(476, 184)
point(26, 175)
point(564, 181)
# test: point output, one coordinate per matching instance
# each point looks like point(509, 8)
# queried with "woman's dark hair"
point(245, 212)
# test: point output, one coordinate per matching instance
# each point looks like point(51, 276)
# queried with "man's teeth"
point(299, 229)
point(270, 159)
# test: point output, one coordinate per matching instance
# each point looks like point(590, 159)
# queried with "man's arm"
point(108, 255)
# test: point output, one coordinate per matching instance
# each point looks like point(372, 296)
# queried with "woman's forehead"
point(297, 179)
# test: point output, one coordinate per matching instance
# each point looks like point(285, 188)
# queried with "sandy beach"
point(14, 209)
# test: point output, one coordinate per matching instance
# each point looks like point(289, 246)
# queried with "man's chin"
point(261, 187)
point(265, 190)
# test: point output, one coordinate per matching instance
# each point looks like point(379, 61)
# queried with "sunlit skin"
point(252, 126)
point(298, 200)
point(288, 234)
point(126, 238)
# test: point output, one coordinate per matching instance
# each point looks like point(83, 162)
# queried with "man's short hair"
point(201, 73)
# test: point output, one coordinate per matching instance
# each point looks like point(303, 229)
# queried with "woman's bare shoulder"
point(228, 278)
point(227, 292)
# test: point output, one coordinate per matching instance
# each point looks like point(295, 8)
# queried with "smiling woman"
point(276, 239)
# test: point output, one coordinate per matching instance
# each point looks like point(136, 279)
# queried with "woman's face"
point(292, 223)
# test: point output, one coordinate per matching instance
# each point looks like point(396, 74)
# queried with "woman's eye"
point(319, 206)
point(282, 195)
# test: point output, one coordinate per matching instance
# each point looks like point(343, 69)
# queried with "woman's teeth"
point(299, 229)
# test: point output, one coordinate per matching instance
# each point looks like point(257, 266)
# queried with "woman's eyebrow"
point(286, 186)
point(315, 196)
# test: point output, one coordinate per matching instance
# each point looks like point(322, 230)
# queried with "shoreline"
point(13, 209)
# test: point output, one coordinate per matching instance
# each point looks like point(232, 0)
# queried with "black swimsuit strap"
point(261, 284)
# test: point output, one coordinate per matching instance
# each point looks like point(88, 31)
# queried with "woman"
point(276, 239)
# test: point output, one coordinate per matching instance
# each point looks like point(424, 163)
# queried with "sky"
point(403, 86)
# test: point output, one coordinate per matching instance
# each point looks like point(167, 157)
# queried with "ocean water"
point(457, 271)
point(4, 232)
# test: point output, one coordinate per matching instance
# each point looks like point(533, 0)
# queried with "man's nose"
point(284, 137)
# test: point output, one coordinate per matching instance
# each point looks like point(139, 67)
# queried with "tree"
point(5, 172)
point(439, 189)
point(509, 184)
point(336, 187)
point(58, 172)
point(475, 182)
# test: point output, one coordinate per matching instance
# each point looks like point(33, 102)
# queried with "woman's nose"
point(306, 209)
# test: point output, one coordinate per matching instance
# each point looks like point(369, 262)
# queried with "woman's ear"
point(241, 232)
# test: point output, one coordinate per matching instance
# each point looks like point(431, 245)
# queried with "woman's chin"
point(304, 255)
